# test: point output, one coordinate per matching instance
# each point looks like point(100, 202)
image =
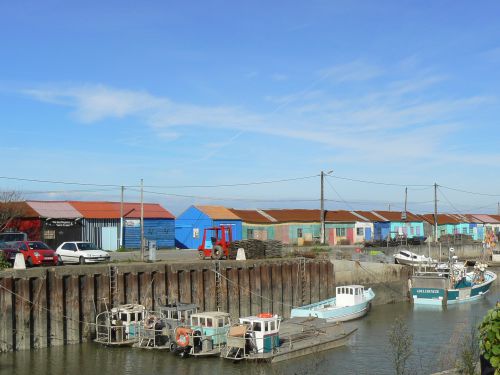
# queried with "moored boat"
point(204, 335)
point(350, 302)
point(408, 258)
point(454, 284)
point(158, 330)
point(119, 326)
point(265, 338)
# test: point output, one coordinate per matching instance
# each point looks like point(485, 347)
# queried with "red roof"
point(342, 216)
point(396, 216)
point(251, 216)
point(442, 219)
point(295, 215)
point(111, 210)
point(19, 209)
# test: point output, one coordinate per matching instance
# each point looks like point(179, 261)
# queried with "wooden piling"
point(314, 281)
point(244, 291)
point(39, 313)
point(266, 288)
point(277, 289)
point(6, 312)
point(286, 275)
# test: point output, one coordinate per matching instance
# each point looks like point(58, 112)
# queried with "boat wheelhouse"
point(158, 330)
point(350, 302)
point(119, 326)
point(204, 336)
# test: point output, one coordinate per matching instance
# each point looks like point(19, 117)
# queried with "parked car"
point(81, 252)
point(36, 253)
point(13, 236)
point(8, 252)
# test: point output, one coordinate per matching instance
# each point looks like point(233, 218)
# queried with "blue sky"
point(209, 93)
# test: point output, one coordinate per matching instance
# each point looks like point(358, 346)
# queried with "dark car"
point(8, 252)
point(36, 253)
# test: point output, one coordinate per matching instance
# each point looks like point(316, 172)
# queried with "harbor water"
point(437, 335)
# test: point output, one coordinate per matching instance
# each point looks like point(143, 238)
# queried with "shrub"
point(489, 337)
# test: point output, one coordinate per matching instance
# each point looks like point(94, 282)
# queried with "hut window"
point(340, 232)
point(250, 234)
point(360, 231)
point(299, 232)
point(49, 235)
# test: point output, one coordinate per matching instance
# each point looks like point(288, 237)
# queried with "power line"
point(379, 182)
point(470, 192)
point(160, 186)
point(338, 194)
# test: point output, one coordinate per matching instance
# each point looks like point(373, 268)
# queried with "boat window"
point(195, 321)
point(404, 253)
point(257, 326)
point(356, 292)
point(220, 322)
point(272, 327)
point(175, 315)
point(123, 317)
point(210, 322)
point(139, 316)
point(351, 291)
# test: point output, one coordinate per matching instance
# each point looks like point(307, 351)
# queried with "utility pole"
point(142, 220)
point(403, 215)
point(435, 213)
point(120, 232)
point(322, 229)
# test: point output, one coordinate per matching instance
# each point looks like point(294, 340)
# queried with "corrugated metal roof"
point(218, 212)
point(396, 215)
point(22, 208)
point(489, 219)
point(342, 216)
point(370, 216)
point(54, 210)
point(111, 210)
point(442, 219)
point(295, 215)
point(251, 216)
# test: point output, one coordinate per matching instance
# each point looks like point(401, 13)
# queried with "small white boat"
point(350, 302)
point(409, 258)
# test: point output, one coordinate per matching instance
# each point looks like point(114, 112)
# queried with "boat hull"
point(445, 296)
point(335, 314)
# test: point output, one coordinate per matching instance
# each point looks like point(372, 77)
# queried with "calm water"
point(434, 330)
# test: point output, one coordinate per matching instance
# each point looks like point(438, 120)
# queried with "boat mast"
point(435, 214)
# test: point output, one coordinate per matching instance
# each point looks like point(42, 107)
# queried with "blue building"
point(189, 226)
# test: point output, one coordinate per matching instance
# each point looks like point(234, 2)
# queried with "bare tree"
point(11, 207)
point(401, 342)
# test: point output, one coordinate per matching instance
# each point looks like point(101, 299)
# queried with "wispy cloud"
point(396, 117)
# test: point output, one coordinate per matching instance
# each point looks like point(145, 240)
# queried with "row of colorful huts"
point(112, 225)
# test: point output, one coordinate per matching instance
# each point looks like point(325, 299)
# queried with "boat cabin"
point(264, 330)
point(212, 323)
point(349, 295)
point(120, 325)
point(180, 312)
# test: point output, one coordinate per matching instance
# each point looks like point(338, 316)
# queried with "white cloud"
point(400, 117)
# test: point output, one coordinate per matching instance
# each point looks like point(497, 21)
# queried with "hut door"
point(109, 238)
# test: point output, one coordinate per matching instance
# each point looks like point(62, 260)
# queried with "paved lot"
point(172, 255)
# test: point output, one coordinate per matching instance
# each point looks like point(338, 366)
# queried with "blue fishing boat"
point(350, 302)
point(456, 284)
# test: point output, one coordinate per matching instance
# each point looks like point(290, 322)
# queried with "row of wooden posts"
point(57, 306)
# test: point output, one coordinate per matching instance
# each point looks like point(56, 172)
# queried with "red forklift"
point(216, 243)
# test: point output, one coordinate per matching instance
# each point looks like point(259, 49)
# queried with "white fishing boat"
point(350, 302)
point(408, 258)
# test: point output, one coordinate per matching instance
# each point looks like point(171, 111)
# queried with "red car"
point(36, 253)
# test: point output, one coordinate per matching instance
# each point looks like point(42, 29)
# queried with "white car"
point(81, 252)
